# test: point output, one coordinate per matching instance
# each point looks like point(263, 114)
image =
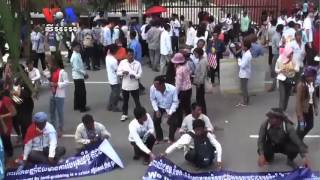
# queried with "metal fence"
point(217, 8)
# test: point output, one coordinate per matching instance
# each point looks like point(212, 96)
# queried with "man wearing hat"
point(277, 135)
point(41, 142)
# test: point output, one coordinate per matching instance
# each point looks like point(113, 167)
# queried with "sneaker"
point(124, 118)
point(292, 164)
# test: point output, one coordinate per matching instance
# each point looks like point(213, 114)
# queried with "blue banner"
point(90, 161)
point(164, 169)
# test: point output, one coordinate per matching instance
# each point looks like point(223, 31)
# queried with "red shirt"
point(316, 41)
point(4, 103)
point(55, 79)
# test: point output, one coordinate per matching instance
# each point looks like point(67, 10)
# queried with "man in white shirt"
point(130, 70)
point(271, 32)
point(298, 48)
point(112, 67)
point(165, 48)
point(33, 73)
point(245, 71)
point(37, 39)
point(196, 113)
point(289, 32)
point(41, 142)
point(191, 34)
point(175, 25)
point(141, 135)
point(307, 26)
point(90, 131)
point(199, 146)
point(164, 100)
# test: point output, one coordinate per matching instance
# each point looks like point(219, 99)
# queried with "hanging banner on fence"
point(163, 169)
point(92, 160)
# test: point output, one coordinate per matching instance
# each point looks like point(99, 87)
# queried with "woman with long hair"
point(306, 102)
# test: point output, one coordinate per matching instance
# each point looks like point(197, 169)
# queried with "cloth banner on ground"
point(163, 169)
point(92, 160)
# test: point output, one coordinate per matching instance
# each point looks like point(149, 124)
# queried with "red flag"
point(32, 132)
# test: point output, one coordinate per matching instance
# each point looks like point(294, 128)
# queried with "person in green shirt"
point(245, 23)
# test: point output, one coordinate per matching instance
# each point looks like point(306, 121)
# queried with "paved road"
point(237, 124)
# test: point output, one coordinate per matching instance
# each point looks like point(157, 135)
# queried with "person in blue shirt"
point(135, 46)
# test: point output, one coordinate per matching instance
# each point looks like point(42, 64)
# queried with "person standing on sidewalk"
point(165, 48)
point(164, 100)
point(175, 29)
point(130, 70)
point(307, 102)
point(58, 84)
point(79, 74)
point(37, 39)
point(153, 39)
point(245, 71)
point(112, 66)
point(276, 39)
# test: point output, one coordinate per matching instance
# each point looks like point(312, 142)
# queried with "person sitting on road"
point(278, 135)
point(141, 135)
point(41, 142)
point(196, 113)
point(199, 145)
point(90, 131)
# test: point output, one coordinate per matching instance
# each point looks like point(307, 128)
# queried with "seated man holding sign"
point(141, 135)
point(41, 142)
point(199, 145)
point(90, 131)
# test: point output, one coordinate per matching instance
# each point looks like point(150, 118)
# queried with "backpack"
point(88, 40)
point(204, 151)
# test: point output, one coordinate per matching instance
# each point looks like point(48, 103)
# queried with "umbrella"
point(155, 10)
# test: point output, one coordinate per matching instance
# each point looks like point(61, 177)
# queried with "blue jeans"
point(57, 104)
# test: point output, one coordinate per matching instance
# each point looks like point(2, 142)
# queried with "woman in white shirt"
point(191, 33)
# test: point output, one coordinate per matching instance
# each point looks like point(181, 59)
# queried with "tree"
point(11, 23)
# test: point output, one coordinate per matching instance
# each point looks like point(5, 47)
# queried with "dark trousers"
point(145, 49)
point(285, 90)
point(184, 107)
point(87, 55)
point(149, 143)
point(141, 87)
point(288, 148)
point(308, 120)
point(114, 96)
point(7, 145)
point(135, 96)
point(244, 90)
point(270, 56)
point(42, 58)
point(36, 157)
point(200, 98)
point(21, 122)
point(171, 122)
point(80, 94)
point(175, 43)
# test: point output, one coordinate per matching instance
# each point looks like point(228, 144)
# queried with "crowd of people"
point(183, 55)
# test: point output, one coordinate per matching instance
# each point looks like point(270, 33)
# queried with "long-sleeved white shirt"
point(62, 84)
point(165, 43)
point(134, 68)
point(107, 37)
point(112, 66)
point(37, 40)
point(34, 74)
point(307, 26)
point(299, 52)
point(188, 120)
point(81, 135)
point(245, 65)
point(187, 142)
point(47, 139)
point(33, 40)
point(191, 34)
point(167, 100)
point(78, 71)
point(137, 132)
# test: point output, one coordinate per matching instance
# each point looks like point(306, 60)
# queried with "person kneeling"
point(90, 131)
point(277, 135)
point(41, 142)
point(141, 135)
point(200, 146)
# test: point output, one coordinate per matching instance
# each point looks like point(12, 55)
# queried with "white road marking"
point(87, 82)
point(64, 135)
point(255, 136)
